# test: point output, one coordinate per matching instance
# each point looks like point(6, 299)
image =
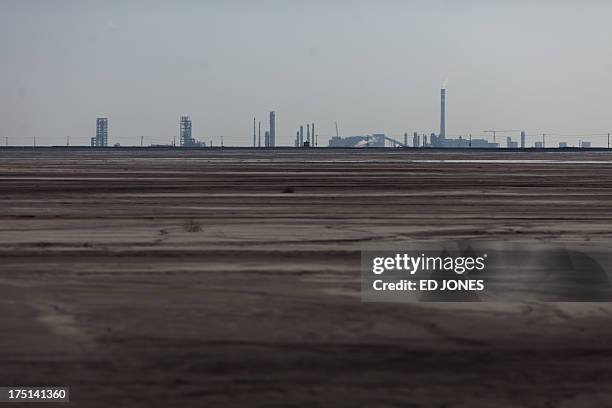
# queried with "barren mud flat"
point(160, 278)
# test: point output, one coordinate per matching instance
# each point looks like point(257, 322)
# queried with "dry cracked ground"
point(159, 278)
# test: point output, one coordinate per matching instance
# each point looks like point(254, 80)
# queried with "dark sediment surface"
point(231, 278)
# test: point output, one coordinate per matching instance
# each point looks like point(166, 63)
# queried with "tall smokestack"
point(272, 141)
point(308, 132)
point(254, 132)
point(442, 114)
point(314, 140)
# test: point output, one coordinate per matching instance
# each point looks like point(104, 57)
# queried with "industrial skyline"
point(66, 62)
point(438, 140)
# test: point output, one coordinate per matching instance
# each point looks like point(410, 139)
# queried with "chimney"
point(272, 133)
point(442, 114)
point(314, 140)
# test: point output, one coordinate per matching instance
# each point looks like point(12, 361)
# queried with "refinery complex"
point(306, 137)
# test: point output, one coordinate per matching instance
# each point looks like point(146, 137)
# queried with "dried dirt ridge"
point(159, 278)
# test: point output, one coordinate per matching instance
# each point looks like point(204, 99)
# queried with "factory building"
point(460, 142)
point(434, 141)
point(311, 138)
point(376, 140)
point(185, 136)
point(101, 139)
point(185, 131)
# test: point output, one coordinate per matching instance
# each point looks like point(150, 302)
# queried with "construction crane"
point(495, 132)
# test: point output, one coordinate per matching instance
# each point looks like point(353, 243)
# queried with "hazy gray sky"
point(374, 66)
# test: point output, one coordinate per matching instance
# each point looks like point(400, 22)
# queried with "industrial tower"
point(101, 139)
point(272, 138)
point(185, 132)
point(442, 115)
